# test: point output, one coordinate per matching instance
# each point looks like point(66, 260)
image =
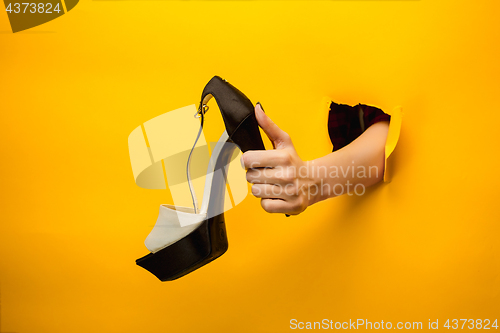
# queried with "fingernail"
point(241, 161)
point(261, 107)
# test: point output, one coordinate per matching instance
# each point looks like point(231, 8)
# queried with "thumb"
point(278, 137)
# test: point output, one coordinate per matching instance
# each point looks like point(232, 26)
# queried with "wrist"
point(315, 183)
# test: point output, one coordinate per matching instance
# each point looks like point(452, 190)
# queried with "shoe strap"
point(214, 88)
point(228, 98)
point(188, 167)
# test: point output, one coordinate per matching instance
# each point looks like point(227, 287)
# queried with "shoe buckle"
point(201, 110)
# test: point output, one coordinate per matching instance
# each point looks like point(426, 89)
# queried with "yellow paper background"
point(424, 246)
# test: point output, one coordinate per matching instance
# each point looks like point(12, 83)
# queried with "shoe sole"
point(203, 245)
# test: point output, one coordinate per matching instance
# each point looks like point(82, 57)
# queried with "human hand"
point(279, 176)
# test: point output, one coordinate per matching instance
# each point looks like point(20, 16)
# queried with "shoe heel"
point(237, 112)
point(247, 135)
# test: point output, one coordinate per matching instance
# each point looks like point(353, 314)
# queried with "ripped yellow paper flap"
point(392, 139)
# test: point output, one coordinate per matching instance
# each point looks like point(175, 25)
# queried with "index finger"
point(264, 159)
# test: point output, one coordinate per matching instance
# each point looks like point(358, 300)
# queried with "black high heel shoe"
point(205, 238)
